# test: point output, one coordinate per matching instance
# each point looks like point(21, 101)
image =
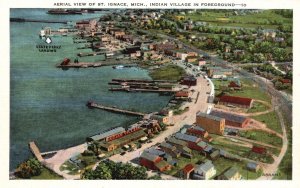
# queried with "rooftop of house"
point(162, 164)
point(188, 168)
point(155, 151)
point(236, 100)
point(167, 145)
point(149, 156)
point(173, 140)
point(208, 116)
point(186, 137)
point(228, 116)
point(231, 172)
point(108, 133)
point(252, 165)
point(205, 167)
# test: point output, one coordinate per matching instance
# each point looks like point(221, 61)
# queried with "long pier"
point(32, 20)
point(79, 65)
point(143, 90)
point(36, 152)
point(114, 109)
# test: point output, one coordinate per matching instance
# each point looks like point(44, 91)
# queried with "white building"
point(204, 171)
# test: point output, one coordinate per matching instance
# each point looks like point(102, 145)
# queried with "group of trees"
point(29, 168)
point(111, 170)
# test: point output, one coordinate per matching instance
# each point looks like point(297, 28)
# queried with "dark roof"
point(182, 94)
point(149, 156)
point(108, 133)
point(167, 145)
point(236, 100)
point(228, 116)
point(259, 150)
point(186, 137)
point(155, 151)
point(173, 140)
point(252, 165)
point(208, 116)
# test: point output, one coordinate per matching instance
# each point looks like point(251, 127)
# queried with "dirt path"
point(245, 140)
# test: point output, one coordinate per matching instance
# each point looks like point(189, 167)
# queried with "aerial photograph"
point(151, 94)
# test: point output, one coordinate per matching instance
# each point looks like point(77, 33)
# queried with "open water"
point(47, 104)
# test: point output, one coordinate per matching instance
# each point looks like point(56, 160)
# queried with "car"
point(123, 153)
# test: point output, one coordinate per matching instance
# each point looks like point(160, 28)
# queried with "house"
point(182, 56)
point(204, 171)
point(154, 151)
point(170, 149)
point(235, 85)
point(201, 62)
point(160, 118)
point(231, 174)
point(285, 81)
point(232, 119)
point(153, 162)
point(200, 146)
point(214, 155)
point(191, 59)
point(177, 143)
point(187, 171)
point(253, 166)
point(187, 138)
point(210, 123)
point(241, 102)
point(197, 131)
point(189, 81)
point(182, 95)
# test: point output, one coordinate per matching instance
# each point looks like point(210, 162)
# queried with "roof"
point(173, 140)
point(228, 116)
point(236, 100)
point(131, 136)
point(155, 151)
point(230, 172)
point(208, 116)
point(202, 144)
point(182, 94)
point(195, 131)
point(188, 168)
point(234, 84)
point(161, 164)
point(108, 133)
point(205, 167)
point(259, 150)
point(167, 145)
point(252, 165)
point(186, 137)
point(149, 156)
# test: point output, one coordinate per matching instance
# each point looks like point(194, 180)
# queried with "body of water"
point(47, 105)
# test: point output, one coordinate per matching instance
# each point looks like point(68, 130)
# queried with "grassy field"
point(169, 72)
point(271, 120)
point(251, 90)
point(47, 175)
point(222, 164)
point(258, 107)
point(262, 136)
point(262, 19)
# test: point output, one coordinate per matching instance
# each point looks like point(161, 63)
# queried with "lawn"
point(264, 19)
point(222, 164)
point(251, 90)
point(47, 175)
point(258, 107)
point(262, 136)
point(169, 72)
point(271, 120)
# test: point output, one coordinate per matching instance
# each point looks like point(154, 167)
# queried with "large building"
point(210, 123)
point(154, 162)
point(231, 119)
point(240, 102)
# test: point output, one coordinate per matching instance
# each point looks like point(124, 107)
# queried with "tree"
point(29, 168)
point(101, 172)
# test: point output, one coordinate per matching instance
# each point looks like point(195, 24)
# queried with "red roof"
point(182, 94)
point(188, 168)
point(259, 150)
point(233, 84)
point(285, 81)
point(195, 131)
point(236, 100)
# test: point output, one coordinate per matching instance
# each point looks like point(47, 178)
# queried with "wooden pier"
point(36, 152)
point(81, 54)
point(143, 90)
point(79, 65)
point(91, 104)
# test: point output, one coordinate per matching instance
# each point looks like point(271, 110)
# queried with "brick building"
point(231, 119)
point(212, 124)
point(241, 102)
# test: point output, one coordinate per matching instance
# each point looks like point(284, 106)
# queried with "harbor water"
point(47, 104)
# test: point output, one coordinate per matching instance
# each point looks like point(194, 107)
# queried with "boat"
point(118, 67)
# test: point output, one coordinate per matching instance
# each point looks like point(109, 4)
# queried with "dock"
point(91, 104)
point(143, 90)
point(81, 54)
point(79, 65)
point(36, 152)
point(33, 20)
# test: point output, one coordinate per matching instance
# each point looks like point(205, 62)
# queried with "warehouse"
point(232, 119)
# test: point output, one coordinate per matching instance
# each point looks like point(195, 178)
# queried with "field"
point(262, 136)
point(267, 19)
point(271, 120)
point(169, 72)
